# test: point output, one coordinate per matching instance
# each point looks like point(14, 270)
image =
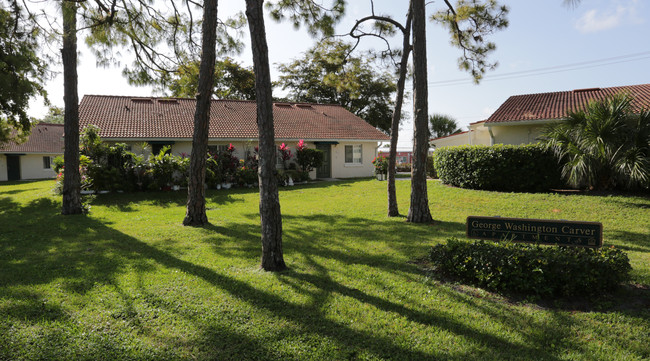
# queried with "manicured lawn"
point(129, 281)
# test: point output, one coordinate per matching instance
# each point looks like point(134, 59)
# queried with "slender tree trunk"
point(419, 209)
point(393, 211)
point(271, 218)
point(71, 203)
point(196, 215)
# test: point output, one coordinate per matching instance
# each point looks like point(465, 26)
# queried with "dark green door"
point(13, 167)
point(325, 170)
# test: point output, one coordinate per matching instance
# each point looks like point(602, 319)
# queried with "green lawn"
point(128, 281)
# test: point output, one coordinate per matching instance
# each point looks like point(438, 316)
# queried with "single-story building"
point(521, 118)
point(33, 158)
point(402, 156)
point(348, 142)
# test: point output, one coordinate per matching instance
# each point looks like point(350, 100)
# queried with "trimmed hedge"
point(536, 270)
point(511, 168)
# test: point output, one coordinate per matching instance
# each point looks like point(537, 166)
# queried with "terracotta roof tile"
point(544, 106)
point(45, 138)
point(150, 118)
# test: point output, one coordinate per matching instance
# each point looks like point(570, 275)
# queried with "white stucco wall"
point(516, 134)
point(31, 167)
point(365, 169)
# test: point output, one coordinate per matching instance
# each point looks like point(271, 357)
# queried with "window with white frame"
point(214, 149)
point(47, 162)
point(353, 154)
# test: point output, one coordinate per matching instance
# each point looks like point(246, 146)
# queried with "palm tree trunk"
point(271, 218)
point(71, 202)
point(196, 215)
point(419, 209)
point(393, 210)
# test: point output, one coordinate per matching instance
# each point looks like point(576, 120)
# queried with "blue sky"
point(543, 34)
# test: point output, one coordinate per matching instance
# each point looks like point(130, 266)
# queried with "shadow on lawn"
point(630, 241)
point(82, 253)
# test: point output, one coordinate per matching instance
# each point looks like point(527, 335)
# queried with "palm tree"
point(604, 146)
point(442, 125)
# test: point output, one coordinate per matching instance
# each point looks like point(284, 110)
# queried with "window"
point(214, 149)
point(47, 162)
point(353, 154)
point(156, 148)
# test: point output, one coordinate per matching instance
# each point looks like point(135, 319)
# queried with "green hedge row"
point(522, 168)
point(544, 271)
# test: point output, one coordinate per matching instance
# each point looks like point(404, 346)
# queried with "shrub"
point(405, 167)
point(536, 270)
point(307, 158)
point(500, 167)
point(605, 146)
point(381, 164)
point(431, 168)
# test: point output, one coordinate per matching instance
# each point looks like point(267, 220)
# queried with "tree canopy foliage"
point(22, 72)
point(161, 39)
point(442, 125)
point(469, 23)
point(329, 73)
point(231, 80)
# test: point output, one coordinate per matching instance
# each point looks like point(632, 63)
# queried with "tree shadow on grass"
point(15, 191)
point(81, 254)
point(631, 241)
point(124, 202)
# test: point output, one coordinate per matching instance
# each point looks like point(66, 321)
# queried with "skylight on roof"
point(586, 90)
point(283, 105)
point(168, 101)
point(305, 106)
point(142, 100)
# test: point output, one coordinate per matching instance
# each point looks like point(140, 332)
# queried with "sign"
point(542, 231)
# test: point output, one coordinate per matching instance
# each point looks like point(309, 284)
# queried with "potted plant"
point(381, 167)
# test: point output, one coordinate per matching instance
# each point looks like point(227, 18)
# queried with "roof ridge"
point(582, 89)
point(49, 124)
point(213, 100)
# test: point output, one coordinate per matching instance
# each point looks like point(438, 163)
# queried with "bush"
point(523, 168)
point(381, 164)
point(405, 167)
point(536, 270)
point(307, 158)
point(431, 169)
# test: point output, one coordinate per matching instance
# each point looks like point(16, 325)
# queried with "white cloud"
point(595, 20)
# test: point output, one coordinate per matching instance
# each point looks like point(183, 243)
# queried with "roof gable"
point(556, 105)
point(45, 138)
point(147, 118)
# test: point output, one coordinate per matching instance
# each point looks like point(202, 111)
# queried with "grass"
point(129, 282)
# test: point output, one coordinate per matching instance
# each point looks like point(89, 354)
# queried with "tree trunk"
point(419, 209)
point(271, 218)
point(393, 211)
point(71, 203)
point(196, 215)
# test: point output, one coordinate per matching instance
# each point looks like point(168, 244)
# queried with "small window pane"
point(47, 163)
point(357, 154)
point(348, 154)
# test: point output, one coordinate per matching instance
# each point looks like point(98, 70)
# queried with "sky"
point(547, 47)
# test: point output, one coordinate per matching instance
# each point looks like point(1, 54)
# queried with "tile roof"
point(45, 139)
point(545, 106)
point(447, 136)
point(150, 118)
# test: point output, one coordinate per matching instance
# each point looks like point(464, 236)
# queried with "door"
point(13, 167)
point(325, 170)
